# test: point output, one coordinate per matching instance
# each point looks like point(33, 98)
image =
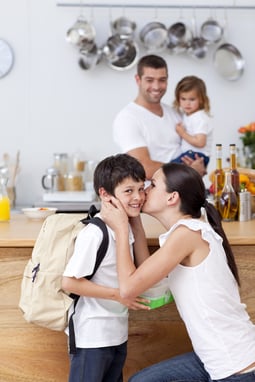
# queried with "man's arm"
point(142, 154)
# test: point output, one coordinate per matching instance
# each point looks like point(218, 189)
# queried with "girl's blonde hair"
point(192, 83)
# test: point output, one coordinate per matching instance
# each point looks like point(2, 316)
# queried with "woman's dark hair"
point(190, 186)
point(112, 170)
point(151, 61)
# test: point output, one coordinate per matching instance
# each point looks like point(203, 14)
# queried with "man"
point(145, 128)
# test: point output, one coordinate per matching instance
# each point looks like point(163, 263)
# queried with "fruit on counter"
point(247, 179)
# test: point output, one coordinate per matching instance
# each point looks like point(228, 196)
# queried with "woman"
point(196, 256)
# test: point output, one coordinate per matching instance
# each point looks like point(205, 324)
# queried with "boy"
point(101, 315)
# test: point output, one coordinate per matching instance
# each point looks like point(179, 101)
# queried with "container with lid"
point(61, 162)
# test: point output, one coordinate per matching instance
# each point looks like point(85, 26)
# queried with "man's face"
point(152, 84)
point(131, 195)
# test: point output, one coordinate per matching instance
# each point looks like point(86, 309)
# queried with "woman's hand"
point(135, 304)
point(114, 214)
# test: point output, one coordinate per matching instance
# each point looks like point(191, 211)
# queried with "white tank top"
point(207, 298)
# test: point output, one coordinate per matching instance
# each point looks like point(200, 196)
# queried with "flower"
point(248, 134)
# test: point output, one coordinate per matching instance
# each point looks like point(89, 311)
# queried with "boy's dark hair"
point(151, 61)
point(112, 170)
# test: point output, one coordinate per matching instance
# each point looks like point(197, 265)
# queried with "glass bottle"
point(219, 176)
point(5, 205)
point(233, 169)
point(228, 201)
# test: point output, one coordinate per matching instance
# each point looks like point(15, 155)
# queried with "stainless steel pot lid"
point(154, 36)
point(229, 62)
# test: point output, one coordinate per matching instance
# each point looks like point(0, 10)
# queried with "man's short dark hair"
point(150, 61)
point(112, 170)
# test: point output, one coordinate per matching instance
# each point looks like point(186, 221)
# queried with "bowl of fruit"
point(38, 213)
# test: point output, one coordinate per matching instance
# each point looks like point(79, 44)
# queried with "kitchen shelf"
point(151, 6)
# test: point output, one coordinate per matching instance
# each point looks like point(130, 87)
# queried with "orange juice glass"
point(4, 208)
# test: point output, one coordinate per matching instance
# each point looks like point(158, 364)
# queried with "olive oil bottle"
point(219, 176)
point(228, 201)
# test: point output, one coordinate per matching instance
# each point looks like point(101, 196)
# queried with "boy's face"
point(131, 195)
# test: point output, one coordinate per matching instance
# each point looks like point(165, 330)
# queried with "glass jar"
point(74, 182)
point(61, 163)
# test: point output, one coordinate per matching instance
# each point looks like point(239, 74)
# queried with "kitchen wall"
point(49, 104)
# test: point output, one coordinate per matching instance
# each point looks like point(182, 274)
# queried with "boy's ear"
point(104, 195)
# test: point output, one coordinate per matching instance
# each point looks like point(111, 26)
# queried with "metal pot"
point(198, 47)
point(123, 27)
point(120, 54)
point(81, 33)
point(211, 31)
point(154, 36)
point(89, 59)
point(229, 62)
point(179, 37)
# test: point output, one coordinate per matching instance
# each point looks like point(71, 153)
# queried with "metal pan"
point(179, 37)
point(211, 31)
point(124, 27)
point(121, 54)
point(229, 62)
point(154, 36)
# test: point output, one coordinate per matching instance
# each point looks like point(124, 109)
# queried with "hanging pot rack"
point(152, 6)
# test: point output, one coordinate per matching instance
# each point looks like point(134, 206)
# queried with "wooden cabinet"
point(29, 353)
point(32, 354)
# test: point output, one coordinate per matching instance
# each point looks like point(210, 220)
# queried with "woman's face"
point(156, 194)
point(131, 195)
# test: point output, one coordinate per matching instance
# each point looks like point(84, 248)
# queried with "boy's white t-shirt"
point(97, 322)
point(198, 123)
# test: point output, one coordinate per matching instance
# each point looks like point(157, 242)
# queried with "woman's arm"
point(134, 281)
point(141, 251)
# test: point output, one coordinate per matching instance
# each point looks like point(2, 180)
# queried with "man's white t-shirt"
point(135, 126)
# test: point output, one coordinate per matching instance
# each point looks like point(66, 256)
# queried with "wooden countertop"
point(22, 232)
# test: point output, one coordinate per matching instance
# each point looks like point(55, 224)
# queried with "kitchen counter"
point(30, 353)
point(22, 232)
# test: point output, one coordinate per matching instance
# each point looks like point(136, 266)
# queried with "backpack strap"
point(100, 255)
